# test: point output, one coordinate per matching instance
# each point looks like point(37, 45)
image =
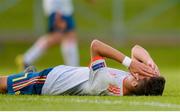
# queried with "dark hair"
point(153, 86)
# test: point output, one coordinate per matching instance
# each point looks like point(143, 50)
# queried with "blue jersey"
point(27, 83)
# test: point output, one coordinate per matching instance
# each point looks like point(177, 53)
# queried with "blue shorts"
point(69, 22)
point(27, 83)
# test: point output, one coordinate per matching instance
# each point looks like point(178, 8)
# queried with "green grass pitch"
point(166, 57)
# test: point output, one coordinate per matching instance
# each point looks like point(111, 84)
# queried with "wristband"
point(127, 61)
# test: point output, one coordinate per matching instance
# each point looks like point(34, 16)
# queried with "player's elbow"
point(94, 45)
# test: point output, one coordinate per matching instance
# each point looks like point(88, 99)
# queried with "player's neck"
point(124, 91)
point(126, 86)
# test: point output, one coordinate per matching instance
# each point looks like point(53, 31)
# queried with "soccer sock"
point(70, 53)
point(35, 51)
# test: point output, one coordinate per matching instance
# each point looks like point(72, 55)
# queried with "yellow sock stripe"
point(20, 78)
point(22, 85)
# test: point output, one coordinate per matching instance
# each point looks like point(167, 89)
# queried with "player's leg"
point(3, 84)
point(69, 48)
point(42, 44)
point(35, 51)
point(69, 45)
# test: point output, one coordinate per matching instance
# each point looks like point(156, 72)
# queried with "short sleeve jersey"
point(104, 80)
point(97, 79)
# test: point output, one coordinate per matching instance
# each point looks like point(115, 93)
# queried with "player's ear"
point(134, 83)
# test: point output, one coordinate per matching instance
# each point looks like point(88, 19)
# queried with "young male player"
point(143, 77)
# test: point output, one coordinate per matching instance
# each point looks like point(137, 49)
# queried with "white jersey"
point(65, 7)
point(96, 80)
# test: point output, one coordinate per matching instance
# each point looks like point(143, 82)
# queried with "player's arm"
point(142, 55)
point(99, 48)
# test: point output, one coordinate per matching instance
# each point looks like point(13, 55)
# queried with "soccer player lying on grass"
point(143, 77)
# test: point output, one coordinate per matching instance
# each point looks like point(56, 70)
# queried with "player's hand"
point(151, 64)
point(59, 22)
point(137, 68)
point(62, 25)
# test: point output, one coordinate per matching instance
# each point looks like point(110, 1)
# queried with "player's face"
point(130, 83)
point(133, 82)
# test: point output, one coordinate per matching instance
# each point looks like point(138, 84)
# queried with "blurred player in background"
point(61, 31)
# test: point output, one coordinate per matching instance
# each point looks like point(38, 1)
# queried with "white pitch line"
point(133, 103)
point(107, 102)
